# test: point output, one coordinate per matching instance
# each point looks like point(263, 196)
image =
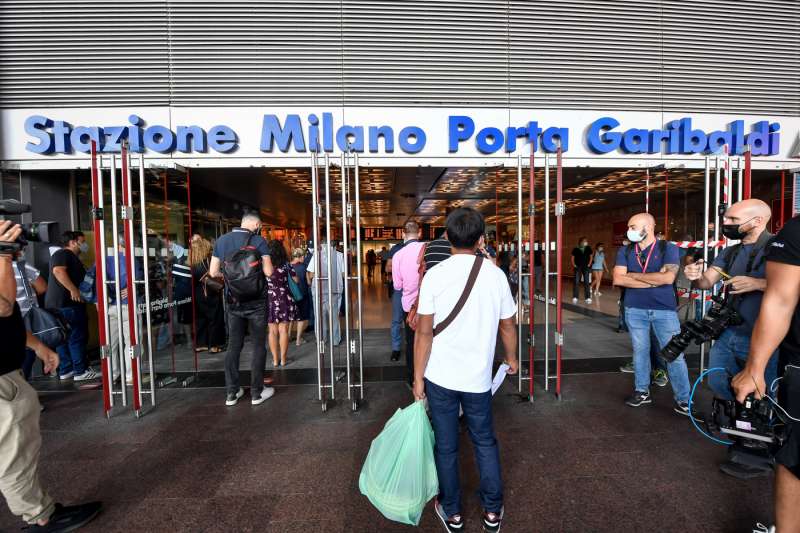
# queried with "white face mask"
point(635, 236)
point(83, 247)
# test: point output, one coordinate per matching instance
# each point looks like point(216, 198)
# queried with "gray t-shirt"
point(26, 300)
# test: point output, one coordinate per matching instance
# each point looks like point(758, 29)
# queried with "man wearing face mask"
point(742, 269)
point(63, 296)
point(581, 260)
point(646, 269)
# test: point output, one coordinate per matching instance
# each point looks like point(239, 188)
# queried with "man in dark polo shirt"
point(778, 326)
point(252, 313)
point(647, 269)
point(20, 438)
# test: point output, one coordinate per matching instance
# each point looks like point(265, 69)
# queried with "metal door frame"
point(321, 202)
point(351, 212)
point(558, 211)
point(124, 209)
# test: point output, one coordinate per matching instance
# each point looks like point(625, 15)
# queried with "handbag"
point(294, 287)
point(210, 284)
point(45, 325)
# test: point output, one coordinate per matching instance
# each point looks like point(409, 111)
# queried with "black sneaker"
point(682, 408)
point(396, 355)
point(450, 523)
point(627, 368)
point(741, 471)
point(638, 398)
point(233, 397)
point(493, 521)
point(68, 518)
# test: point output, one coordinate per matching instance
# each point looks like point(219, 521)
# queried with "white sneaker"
point(89, 375)
point(761, 528)
point(232, 399)
point(589, 301)
point(598, 293)
point(68, 375)
point(574, 300)
point(266, 394)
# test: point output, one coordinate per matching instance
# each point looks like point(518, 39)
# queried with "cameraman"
point(20, 438)
point(745, 264)
point(778, 324)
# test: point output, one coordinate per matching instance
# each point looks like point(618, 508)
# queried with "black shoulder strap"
point(763, 241)
point(662, 248)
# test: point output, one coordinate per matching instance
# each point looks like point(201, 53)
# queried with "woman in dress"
point(281, 307)
point(304, 305)
point(207, 299)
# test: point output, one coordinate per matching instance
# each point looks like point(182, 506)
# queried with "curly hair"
point(277, 253)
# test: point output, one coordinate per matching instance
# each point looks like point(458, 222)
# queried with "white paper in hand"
point(499, 377)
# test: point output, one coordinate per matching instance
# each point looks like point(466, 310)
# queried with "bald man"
point(742, 270)
point(646, 268)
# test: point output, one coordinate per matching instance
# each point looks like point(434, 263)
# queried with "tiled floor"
point(586, 463)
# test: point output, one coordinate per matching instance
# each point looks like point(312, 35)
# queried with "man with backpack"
point(242, 258)
point(647, 269)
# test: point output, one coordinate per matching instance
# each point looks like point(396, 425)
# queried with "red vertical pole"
point(129, 275)
point(559, 244)
point(747, 173)
point(531, 273)
point(191, 270)
point(100, 277)
point(169, 274)
point(666, 204)
point(783, 197)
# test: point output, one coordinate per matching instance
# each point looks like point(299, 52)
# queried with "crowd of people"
point(452, 298)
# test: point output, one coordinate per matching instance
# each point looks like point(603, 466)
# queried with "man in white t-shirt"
point(453, 355)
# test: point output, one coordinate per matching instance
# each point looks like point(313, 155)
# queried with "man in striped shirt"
point(437, 251)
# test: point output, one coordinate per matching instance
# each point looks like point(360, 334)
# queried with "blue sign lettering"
point(680, 138)
point(318, 133)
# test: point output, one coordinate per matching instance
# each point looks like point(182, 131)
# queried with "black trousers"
point(409, 350)
point(585, 274)
point(238, 321)
point(210, 318)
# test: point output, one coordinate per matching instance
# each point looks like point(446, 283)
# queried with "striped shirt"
point(437, 251)
point(25, 302)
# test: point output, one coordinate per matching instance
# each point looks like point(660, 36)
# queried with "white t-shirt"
point(462, 355)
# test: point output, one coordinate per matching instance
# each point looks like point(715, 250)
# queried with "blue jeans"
point(730, 346)
point(72, 354)
point(477, 408)
point(664, 324)
point(397, 320)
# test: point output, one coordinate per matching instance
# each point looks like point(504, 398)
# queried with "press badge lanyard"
point(646, 261)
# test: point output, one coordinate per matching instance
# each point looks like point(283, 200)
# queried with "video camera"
point(33, 232)
point(753, 419)
point(721, 315)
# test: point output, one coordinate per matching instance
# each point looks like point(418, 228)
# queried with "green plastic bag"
point(399, 474)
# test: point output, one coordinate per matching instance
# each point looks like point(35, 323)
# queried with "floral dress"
point(281, 307)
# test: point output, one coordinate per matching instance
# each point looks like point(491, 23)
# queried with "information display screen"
point(382, 234)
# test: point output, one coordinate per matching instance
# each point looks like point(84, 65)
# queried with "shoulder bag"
point(210, 284)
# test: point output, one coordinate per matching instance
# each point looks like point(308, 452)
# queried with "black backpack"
point(244, 277)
